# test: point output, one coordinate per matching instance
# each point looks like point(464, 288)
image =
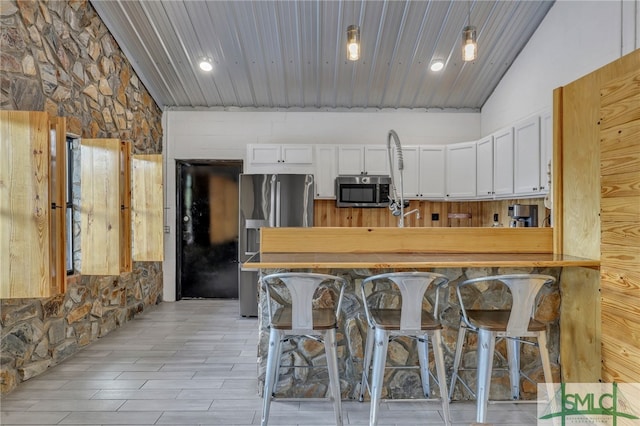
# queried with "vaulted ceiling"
point(292, 54)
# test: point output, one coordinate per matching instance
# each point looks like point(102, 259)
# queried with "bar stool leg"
point(441, 374)
point(462, 332)
point(513, 356)
point(270, 378)
point(366, 363)
point(486, 347)
point(423, 357)
point(377, 374)
point(332, 366)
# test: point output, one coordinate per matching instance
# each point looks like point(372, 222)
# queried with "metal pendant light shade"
point(353, 42)
point(469, 44)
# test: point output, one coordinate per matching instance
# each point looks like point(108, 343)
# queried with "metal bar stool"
point(411, 319)
point(512, 324)
point(300, 318)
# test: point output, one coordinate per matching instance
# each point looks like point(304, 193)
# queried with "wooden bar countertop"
point(410, 248)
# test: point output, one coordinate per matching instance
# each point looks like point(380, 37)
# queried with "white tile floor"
point(193, 362)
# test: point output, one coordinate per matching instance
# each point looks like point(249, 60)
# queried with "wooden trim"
point(406, 240)
point(557, 181)
point(126, 264)
point(58, 192)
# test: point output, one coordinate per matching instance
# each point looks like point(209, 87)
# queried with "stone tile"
point(27, 418)
point(136, 394)
point(167, 405)
point(104, 384)
point(183, 384)
point(79, 405)
point(113, 418)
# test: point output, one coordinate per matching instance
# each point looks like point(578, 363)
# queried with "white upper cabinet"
point(279, 158)
point(363, 160)
point(326, 170)
point(423, 174)
point(484, 167)
point(503, 162)
point(461, 170)
point(432, 172)
point(410, 173)
point(526, 158)
point(546, 150)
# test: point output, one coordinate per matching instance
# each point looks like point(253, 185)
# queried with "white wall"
point(224, 135)
point(575, 38)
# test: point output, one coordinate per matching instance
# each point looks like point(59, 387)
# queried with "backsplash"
point(327, 214)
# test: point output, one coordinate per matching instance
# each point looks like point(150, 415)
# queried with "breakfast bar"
point(459, 254)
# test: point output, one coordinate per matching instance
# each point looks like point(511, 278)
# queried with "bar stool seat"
point(298, 317)
point(512, 324)
point(497, 320)
point(411, 320)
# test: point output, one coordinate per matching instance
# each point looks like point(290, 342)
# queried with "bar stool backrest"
point(302, 287)
point(412, 287)
point(524, 288)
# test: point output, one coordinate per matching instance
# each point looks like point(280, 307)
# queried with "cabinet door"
point(351, 159)
point(376, 160)
point(410, 173)
point(326, 170)
point(484, 167)
point(147, 208)
point(100, 194)
point(297, 154)
point(546, 150)
point(263, 154)
point(432, 172)
point(25, 205)
point(461, 170)
point(503, 162)
point(526, 158)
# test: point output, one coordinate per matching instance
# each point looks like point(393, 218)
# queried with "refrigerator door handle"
point(278, 200)
point(272, 210)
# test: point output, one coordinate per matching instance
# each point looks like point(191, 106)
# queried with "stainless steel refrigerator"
point(268, 200)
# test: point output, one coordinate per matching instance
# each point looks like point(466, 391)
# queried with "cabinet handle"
point(535, 189)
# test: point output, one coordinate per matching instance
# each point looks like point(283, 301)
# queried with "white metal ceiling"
point(292, 54)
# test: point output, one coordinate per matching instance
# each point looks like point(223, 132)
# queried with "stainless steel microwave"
point(362, 191)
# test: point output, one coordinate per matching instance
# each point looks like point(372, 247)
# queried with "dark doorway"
point(207, 252)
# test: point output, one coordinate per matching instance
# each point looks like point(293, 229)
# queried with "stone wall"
point(405, 383)
point(58, 56)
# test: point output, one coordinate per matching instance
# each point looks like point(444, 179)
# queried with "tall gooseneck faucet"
point(396, 202)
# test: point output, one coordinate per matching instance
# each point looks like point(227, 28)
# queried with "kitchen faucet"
point(396, 203)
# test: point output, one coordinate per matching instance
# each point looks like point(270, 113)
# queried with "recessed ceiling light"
point(206, 65)
point(437, 65)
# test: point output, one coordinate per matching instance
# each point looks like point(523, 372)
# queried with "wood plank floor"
point(193, 362)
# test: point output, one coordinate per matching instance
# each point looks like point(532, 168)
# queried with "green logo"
point(590, 404)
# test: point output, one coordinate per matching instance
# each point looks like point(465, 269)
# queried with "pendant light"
point(469, 40)
point(353, 42)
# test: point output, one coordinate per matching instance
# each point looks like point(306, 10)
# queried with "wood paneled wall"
point(327, 214)
point(577, 162)
point(620, 228)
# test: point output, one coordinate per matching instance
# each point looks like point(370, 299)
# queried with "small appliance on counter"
point(523, 215)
